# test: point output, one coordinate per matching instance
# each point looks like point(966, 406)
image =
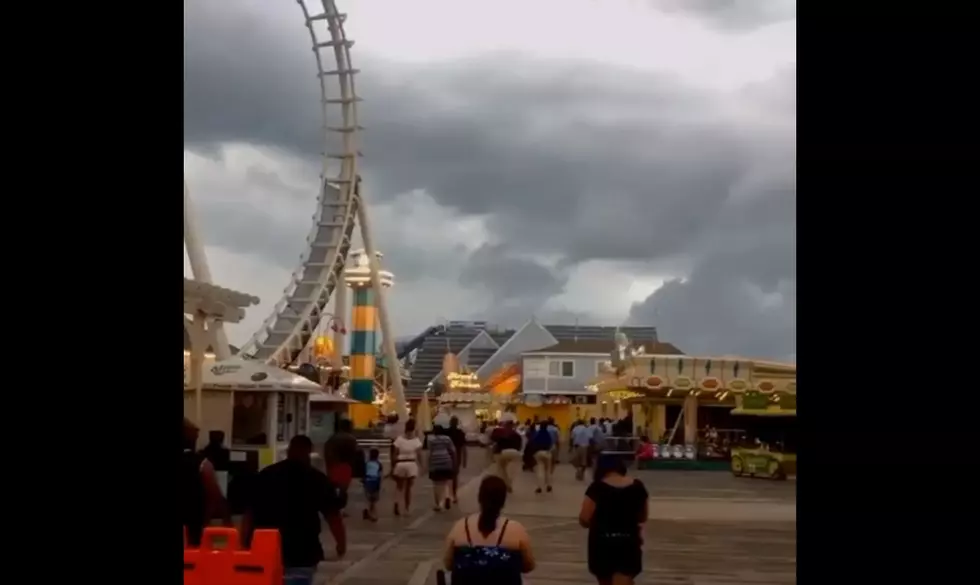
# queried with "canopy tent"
point(239, 374)
point(328, 397)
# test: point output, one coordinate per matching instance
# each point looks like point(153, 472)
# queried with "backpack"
point(541, 440)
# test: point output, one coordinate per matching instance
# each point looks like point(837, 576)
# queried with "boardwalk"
point(706, 528)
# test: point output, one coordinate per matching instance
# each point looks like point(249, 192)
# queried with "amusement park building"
point(485, 350)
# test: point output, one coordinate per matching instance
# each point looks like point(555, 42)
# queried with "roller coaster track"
point(295, 318)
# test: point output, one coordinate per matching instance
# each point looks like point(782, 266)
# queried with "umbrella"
point(423, 416)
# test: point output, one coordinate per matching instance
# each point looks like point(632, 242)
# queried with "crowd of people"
point(293, 495)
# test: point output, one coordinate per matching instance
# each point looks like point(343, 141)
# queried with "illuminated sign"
point(463, 381)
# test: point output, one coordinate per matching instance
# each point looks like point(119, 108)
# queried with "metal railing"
point(382, 445)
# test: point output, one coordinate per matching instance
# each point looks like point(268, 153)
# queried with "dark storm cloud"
point(741, 293)
point(529, 148)
point(573, 160)
point(515, 285)
point(737, 15)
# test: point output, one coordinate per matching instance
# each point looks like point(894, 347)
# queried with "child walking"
point(373, 473)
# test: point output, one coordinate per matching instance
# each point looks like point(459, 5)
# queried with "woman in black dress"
point(614, 510)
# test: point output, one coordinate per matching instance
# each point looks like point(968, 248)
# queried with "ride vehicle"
point(772, 452)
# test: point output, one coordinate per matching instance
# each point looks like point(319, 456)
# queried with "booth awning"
point(767, 412)
point(239, 374)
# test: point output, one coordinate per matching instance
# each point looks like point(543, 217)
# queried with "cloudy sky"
point(606, 161)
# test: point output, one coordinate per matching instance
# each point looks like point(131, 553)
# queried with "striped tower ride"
point(364, 325)
point(362, 344)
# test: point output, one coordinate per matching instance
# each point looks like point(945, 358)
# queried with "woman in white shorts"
point(408, 457)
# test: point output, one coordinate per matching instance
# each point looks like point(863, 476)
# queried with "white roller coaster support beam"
point(201, 272)
point(391, 354)
point(341, 314)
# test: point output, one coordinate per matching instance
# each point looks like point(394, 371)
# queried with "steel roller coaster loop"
point(295, 319)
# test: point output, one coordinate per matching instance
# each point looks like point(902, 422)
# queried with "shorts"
point(406, 470)
point(580, 457)
point(372, 489)
point(441, 475)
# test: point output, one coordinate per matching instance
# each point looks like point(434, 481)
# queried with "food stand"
point(259, 407)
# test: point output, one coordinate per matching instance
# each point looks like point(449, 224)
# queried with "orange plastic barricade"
point(260, 565)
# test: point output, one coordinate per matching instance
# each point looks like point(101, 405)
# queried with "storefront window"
point(249, 418)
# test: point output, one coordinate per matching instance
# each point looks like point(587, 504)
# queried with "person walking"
point(200, 498)
point(528, 455)
point(343, 458)
point(442, 464)
point(614, 510)
point(408, 459)
point(540, 447)
point(216, 452)
point(581, 443)
point(487, 548)
point(290, 496)
point(458, 437)
point(373, 472)
point(555, 439)
point(507, 450)
point(598, 440)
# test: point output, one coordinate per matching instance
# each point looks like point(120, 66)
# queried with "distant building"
point(485, 349)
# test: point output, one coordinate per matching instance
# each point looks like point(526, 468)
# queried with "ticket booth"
point(259, 407)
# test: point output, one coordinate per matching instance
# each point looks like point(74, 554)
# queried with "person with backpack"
point(540, 445)
point(442, 463)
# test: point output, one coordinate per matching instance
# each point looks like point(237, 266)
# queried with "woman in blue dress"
point(487, 548)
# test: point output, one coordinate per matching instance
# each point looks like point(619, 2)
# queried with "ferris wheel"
point(289, 332)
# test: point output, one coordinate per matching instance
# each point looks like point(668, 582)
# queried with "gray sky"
point(634, 164)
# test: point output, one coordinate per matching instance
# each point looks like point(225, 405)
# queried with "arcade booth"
point(260, 407)
point(691, 408)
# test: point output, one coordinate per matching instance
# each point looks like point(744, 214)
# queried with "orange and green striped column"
point(364, 341)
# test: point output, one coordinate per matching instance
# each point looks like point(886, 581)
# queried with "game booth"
point(258, 407)
point(697, 412)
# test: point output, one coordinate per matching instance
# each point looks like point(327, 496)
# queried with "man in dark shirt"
point(289, 497)
point(216, 452)
point(507, 449)
point(344, 459)
point(458, 438)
